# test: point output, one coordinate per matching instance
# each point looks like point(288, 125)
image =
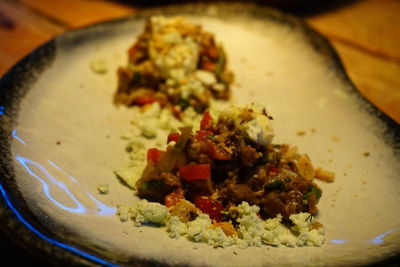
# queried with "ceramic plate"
point(60, 139)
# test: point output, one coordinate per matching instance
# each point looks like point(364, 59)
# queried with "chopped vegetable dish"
point(175, 63)
point(226, 163)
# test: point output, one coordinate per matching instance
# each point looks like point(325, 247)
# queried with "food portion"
point(227, 162)
point(176, 64)
point(212, 177)
point(230, 180)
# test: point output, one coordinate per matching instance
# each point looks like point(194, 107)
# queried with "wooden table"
point(365, 33)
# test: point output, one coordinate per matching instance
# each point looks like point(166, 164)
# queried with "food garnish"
point(227, 183)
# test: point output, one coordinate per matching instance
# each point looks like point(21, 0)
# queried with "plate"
point(60, 139)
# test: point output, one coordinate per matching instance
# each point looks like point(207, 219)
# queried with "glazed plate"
point(60, 139)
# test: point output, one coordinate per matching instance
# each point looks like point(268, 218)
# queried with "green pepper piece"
point(137, 77)
point(151, 183)
point(220, 63)
point(313, 190)
point(184, 103)
point(276, 185)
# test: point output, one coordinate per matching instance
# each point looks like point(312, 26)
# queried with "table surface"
point(364, 33)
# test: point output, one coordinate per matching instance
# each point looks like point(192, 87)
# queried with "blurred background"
point(365, 33)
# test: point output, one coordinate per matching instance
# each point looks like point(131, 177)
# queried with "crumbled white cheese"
point(306, 235)
point(103, 189)
point(176, 228)
point(257, 128)
point(316, 237)
point(276, 233)
point(251, 227)
point(176, 56)
point(192, 87)
point(252, 230)
point(191, 118)
point(148, 131)
point(123, 212)
point(206, 77)
point(99, 66)
point(148, 212)
point(219, 87)
point(201, 230)
point(130, 175)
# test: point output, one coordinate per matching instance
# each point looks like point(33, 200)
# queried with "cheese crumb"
point(252, 120)
point(148, 212)
point(103, 189)
point(99, 66)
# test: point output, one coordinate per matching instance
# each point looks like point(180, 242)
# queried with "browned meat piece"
point(237, 193)
point(272, 204)
point(170, 179)
point(249, 155)
point(124, 76)
point(312, 204)
point(256, 183)
point(153, 190)
point(299, 184)
point(197, 152)
point(137, 87)
point(199, 188)
point(154, 186)
point(293, 203)
point(138, 52)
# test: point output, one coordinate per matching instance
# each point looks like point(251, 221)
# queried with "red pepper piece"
point(154, 154)
point(208, 65)
point(195, 172)
point(173, 137)
point(209, 206)
point(212, 52)
point(217, 153)
point(173, 198)
point(133, 53)
point(202, 135)
point(206, 121)
point(144, 100)
point(177, 112)
point(273, 170)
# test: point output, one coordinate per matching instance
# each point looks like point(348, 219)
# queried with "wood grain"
point(371, 25)
point(376, 78)
point(21, 30)
point(78, 13)
point(366, 37)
